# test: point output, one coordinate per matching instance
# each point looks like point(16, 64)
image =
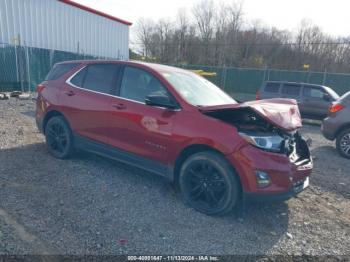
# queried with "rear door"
point(313, 103)
point(87, 97)
point(135, 127)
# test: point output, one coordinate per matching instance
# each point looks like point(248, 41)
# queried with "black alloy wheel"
point(59, 137)
point(209, 184)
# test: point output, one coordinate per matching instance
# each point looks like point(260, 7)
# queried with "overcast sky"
point(332, 15)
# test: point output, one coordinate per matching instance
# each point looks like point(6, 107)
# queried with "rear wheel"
point(59, 138)
point(209, 184)
point(343, 143)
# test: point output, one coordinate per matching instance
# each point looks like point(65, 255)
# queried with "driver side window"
point(137, 84)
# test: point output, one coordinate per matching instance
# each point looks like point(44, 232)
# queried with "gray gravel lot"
point(91, 205)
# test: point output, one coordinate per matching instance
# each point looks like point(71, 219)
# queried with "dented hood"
point(283, 113)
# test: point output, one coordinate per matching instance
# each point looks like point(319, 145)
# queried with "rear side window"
point(313, 92)
point(78, 79)
point(272, 87)
point(59, 70)
point(100, 78)
point(291, 89)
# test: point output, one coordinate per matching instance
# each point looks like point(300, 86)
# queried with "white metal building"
point(63, 25)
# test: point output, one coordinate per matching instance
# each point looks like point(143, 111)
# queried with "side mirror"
point(327, 97)
point(160, 100)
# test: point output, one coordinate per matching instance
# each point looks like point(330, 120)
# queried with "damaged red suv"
point(177, 124)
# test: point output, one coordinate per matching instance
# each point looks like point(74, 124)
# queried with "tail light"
point(40, 88)
point(335, 108)
point(258, 95)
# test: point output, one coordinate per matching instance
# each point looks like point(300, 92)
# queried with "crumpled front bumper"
point(287, 177)
point(297, 188)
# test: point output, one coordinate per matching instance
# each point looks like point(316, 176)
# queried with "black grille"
point(297, 149)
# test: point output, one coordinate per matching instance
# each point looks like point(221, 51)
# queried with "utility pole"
point(28, 67)
point(324, 77)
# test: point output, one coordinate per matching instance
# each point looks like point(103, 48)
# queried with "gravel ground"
point(91, 205)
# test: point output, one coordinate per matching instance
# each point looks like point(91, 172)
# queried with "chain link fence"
point(248, 80)
point(22, 67)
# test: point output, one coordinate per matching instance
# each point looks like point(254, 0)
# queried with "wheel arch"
point(193, 149)
point(341, 129)
point(50, 115)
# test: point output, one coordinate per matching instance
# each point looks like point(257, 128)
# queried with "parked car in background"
point(177, 124)
point(337, 125)
point(313, 100)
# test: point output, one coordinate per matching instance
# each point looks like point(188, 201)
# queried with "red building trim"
point(96, 12)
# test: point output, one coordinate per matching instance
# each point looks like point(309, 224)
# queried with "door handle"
point(119, 106)
point(70, 93)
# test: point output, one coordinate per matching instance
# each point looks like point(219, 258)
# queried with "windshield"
point(197, 90)
point(345, 96)
point(331, 92)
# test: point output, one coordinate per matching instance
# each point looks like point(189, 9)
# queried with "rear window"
point(345, 99)
point(346, 96)
point(291, 89)
point(331, 92)
point(59, 70)
point(272, 87)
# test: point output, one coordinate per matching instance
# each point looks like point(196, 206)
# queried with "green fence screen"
point(248, 80)
point(22, 68)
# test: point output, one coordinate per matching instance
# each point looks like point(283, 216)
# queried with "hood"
point(283, 113)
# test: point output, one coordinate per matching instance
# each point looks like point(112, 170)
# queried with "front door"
point(313, 103)
point(136, 127)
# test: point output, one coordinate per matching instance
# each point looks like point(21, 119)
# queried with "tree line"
point(217, 34)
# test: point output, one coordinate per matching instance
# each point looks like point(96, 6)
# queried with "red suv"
point(177, 124)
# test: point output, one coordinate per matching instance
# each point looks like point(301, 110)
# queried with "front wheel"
point(208, 183)
point(59, 138)
point(343, 143)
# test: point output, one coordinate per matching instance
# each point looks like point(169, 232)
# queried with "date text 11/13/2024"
point(173, 258)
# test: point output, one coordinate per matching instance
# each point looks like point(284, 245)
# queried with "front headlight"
point(271, 142)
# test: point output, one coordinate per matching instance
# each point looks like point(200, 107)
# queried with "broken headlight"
point(270, 141)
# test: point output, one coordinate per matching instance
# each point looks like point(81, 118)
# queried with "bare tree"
point(235, 22)
point(163, 30)
point(217, 34)
point(221, 33)
point(204, 15)
point(144, 31)
point(183, 24)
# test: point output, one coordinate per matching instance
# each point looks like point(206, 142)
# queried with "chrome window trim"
point(68, 81)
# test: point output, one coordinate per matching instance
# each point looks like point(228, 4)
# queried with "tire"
point(209, 184)
point(343, 143)
point(59, 138)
